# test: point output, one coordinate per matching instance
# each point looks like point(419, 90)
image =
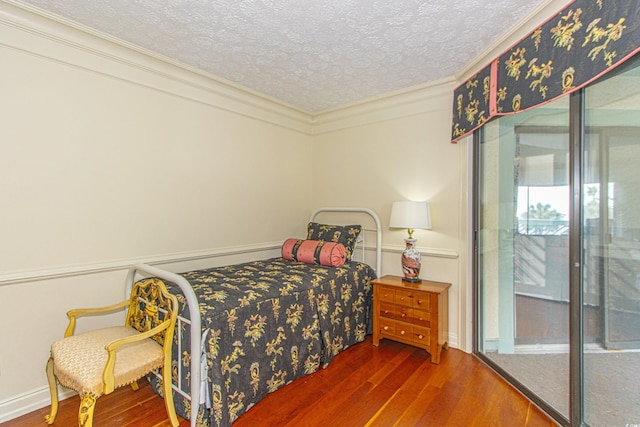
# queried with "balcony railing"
point(543, 227)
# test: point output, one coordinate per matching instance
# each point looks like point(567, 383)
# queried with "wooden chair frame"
point(148, 299)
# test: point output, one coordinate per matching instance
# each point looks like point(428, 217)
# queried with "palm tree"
point(541, 211)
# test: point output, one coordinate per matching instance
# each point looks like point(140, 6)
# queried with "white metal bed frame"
point(144, 270)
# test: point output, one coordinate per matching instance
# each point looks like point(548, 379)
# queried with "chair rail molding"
point(54, 272)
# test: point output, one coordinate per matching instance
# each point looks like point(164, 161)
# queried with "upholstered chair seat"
point(80, 359)
point(97, 362)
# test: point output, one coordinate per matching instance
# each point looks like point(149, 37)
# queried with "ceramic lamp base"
point(411, 262)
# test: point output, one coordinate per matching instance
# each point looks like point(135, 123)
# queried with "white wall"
point(366, 161)
point(103, 167)
point(110, 157)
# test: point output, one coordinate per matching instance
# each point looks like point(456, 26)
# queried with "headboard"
point(366, 230)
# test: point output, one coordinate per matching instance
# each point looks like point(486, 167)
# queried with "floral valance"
point(582, 42)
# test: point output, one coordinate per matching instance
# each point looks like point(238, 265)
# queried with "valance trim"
point(584, 41)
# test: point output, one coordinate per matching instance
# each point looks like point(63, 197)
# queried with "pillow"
point(345, 234)
point(314, 252)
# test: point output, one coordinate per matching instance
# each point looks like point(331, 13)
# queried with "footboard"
point(194, 326)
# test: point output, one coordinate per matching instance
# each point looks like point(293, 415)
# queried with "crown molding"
point(540, 14)
point(408, 102)
point(40, 33)
point(33, 31)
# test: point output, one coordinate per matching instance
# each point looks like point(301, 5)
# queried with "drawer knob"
point(386, 311)
point(386, 328)
point(404, 314)
point(420, 336)
point(419, 301)
point(402, 332)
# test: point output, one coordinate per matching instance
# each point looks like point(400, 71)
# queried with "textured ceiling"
point(312, 54)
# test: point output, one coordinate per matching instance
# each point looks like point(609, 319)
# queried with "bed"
point(255, 327)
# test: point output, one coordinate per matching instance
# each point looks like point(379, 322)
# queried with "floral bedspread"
point(267, 323)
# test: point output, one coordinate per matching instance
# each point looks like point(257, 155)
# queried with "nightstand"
point(413, 313)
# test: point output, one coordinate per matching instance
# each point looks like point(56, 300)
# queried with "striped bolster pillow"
point(314, 252)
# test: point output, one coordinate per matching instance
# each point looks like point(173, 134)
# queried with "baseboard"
point(491, 345)
point(541, 348)
point(29, 402)
point(453, 341)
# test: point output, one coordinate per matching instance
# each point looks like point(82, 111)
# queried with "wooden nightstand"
point(412, 313)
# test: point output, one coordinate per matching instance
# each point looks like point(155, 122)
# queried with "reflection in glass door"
point(611, 245)
point(523, 249)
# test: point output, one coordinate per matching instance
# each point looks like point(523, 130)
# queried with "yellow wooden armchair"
point(97, 362)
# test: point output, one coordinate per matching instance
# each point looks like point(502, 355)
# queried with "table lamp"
point(410, 215)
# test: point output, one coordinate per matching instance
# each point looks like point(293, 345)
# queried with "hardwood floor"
point(390, 385)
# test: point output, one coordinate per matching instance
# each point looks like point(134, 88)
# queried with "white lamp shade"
point(408, 214)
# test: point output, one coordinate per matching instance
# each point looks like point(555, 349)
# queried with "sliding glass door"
point(611, 245)
point(524, 249)
point(525, 205)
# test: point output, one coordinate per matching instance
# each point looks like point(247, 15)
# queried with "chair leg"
point(168, 394)
point(53, 390)
point(85, 414)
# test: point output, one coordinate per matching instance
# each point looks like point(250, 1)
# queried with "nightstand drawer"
point(404, 297)
point(386, 294)
point(421, 335)
point(421, 301)
point(396, 329)
point(411, 298)
point(387, 327)
point(403, 313)
point(387, 310)
point(403, 330)
point(420, 318)
point(397, 312)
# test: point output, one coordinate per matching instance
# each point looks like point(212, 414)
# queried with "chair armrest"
point(107, 375)
point(115, 344)
point(79, 312)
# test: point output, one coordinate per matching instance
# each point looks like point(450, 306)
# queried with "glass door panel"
point(523, 196)
point(611, 249)
point(523, 248)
